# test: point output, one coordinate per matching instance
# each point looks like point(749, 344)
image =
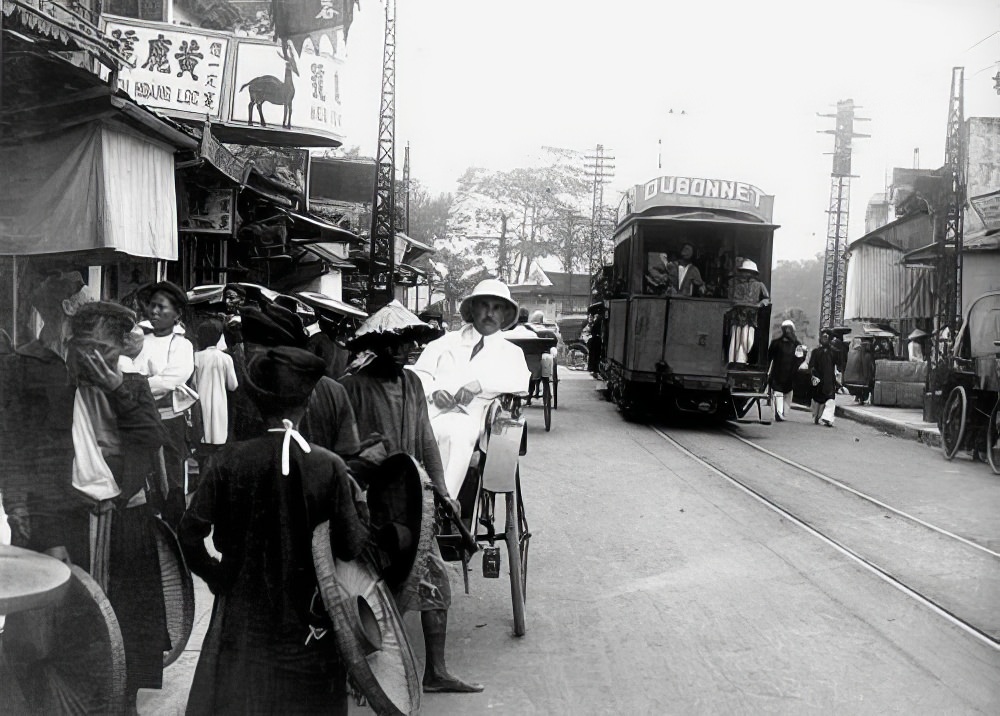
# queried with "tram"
point(682, 332)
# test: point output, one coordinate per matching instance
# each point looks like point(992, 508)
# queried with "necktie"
point(476, 348)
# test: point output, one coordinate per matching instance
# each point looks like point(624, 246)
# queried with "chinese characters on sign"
point(300, 93)
point(175, 68)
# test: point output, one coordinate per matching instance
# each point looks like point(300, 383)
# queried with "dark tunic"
point(334, 355)
point(37, 455)
point(329, 420)
point(408, 429)
point(255, 659)
point(38, 486)
point(823, 365)
point(784, 363)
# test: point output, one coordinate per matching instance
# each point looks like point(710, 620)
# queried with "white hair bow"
point(290, 434)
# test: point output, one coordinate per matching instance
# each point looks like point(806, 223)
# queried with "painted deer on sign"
point(268, 88)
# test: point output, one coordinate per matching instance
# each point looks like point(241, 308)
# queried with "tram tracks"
point(954, 577)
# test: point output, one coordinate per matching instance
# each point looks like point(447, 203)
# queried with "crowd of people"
point(242, 428)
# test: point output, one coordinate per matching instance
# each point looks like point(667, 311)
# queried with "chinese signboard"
point(697, 192)
point(987, 207)
point(295, 20)
point(175, 68)
point(301, 91)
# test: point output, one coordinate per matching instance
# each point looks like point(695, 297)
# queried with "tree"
point(517, 216)
point(796, 288)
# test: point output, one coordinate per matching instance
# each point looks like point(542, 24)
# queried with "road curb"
point(928, 436)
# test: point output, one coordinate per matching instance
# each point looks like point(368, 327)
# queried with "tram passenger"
point(748, 294)
point(463, 371)
point(261, 499)
point(390, 405)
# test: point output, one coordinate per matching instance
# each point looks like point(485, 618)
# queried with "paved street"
point(657, 586)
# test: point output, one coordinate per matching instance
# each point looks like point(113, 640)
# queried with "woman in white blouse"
point(167, 358)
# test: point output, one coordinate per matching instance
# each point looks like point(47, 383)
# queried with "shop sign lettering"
point(174, 69)
point(707, 188)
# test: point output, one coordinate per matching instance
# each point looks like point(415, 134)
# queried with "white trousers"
point(457, 435)
point(740, 343)
point(824, 411)
point(781, 403)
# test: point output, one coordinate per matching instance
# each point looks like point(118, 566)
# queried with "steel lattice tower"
point(949, 281)
point(835, 264)
point(381, 266)
point(602, 170)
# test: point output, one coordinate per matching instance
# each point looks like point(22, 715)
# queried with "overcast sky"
point(486, 84)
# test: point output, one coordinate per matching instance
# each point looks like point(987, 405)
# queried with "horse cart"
point(970, 419)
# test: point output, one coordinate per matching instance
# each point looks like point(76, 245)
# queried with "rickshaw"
point(497, 471)
point(544, 370)
point(970, 419)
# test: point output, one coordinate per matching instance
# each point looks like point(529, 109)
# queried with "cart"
point(970, 419)
point(497, 473)
point(544, 371)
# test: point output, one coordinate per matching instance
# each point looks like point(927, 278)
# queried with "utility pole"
point(406, 189)
point(949, 238)
point(601, 171)
point(834, 264)
point(381, 260)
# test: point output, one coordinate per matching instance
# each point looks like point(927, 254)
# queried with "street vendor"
point(463, 371)
point(391, 411)
point(915, 346)
point(261, 499)
point(75, 468)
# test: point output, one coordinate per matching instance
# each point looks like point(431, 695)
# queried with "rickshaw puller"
point(389, 403)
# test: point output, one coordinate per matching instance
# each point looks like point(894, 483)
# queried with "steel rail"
point(862, 495)
point(868, 565)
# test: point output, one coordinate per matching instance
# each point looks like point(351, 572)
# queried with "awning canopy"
point(327, 252)
point(327, 232)
point(102, 186)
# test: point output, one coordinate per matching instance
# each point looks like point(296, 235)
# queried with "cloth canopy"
point(102, 186)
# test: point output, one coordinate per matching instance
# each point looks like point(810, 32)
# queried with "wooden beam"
point(81, 96)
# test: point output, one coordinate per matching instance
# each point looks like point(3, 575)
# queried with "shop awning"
point(327, 252)
point(102, 186)
point(328, 233)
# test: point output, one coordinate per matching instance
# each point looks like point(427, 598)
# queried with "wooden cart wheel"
point(68, 657)
point(953, 419)
point(512, 536)
point(547, 403)
point(993, 439)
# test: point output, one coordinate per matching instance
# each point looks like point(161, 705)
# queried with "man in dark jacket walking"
point(823, 367)
point(785, 355)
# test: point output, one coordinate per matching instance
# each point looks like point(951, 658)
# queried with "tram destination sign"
point(701, 193)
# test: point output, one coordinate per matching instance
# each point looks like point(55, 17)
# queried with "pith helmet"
point(490, 288)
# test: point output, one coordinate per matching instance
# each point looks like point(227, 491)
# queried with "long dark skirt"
point(251, 673)
point(136, 594)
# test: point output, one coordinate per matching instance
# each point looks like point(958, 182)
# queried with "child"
point(214, 374)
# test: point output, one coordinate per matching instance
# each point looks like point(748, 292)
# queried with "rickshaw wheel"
point(547, 402)
point(516, 539)
point(953, 419)
point(993, 439)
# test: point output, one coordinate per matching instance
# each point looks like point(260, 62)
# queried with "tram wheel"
point(953, 419)
point(993, 439)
